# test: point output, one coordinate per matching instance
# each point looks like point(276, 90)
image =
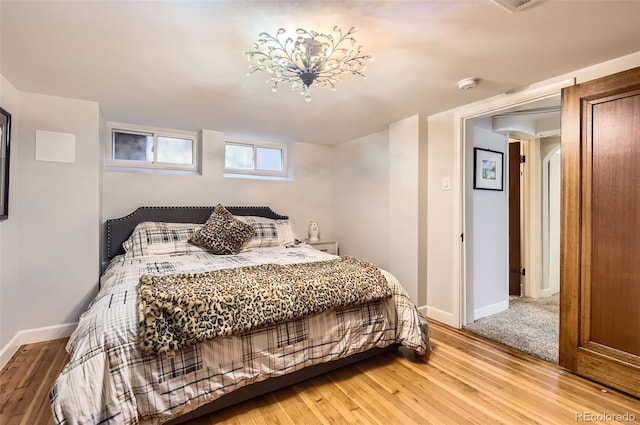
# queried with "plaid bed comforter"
point(108, 380)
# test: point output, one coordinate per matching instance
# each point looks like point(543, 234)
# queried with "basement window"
point(145, 148)
point(255, 158)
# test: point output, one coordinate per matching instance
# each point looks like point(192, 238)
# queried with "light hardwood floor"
point(466, 380)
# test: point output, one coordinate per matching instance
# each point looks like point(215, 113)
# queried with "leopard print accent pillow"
point(222, 233)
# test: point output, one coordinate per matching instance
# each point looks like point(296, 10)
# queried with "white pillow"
point(269, 232)
point(158, 238)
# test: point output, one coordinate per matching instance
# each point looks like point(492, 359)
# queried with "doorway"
point(462, 291)
point(523, 312)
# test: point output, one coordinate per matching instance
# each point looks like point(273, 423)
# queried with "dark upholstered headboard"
point(118, 230)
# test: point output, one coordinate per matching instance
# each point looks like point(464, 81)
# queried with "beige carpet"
point(529, 325)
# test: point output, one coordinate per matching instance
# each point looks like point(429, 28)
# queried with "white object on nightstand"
point(314, 231)
point(330, 247)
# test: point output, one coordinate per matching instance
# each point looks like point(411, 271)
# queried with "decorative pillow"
point(158, 238)
point(222, 233)
point(269, 232)
point(286, 231)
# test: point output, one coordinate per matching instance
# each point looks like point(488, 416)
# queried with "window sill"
point(255, 177)
point(111, 169)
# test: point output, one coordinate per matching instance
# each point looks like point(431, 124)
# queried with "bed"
point(119, 374)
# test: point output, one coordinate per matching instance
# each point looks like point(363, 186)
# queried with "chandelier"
point(313, 58)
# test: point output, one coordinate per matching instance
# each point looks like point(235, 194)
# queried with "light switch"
point(446, 183)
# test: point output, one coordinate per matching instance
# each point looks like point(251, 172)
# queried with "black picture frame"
point(5, 139)
point(488, 169)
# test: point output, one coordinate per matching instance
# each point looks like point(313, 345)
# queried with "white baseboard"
point(490, 309)
point(544, 293)
point(30, 336)
point(439, 315)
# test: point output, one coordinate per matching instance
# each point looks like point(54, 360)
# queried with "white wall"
point(442, 239)
point(408, 167)
point(548, 145)
point(49, 262)
point(307, 197)
point(361, 198)
point(490, 242)
point(380, 205)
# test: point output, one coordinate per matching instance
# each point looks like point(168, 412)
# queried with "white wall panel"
point(361, 198)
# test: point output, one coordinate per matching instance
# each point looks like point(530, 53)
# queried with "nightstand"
point(330, 247)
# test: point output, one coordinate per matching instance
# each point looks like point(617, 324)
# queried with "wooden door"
point(600, 231)
point(515, 255)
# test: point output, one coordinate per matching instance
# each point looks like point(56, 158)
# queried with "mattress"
point(108, 379)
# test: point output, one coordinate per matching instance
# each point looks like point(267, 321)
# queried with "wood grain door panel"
point(615, 221)
point(515, 254)
point(600, 231)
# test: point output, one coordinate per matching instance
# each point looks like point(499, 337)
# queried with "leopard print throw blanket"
point(180, 310)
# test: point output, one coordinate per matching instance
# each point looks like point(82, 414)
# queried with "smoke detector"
point(515, 5)
point(468, 83)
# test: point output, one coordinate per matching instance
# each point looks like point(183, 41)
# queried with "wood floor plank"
point(563, 394)
point(335, 404)
point(269, 411)
point(450, 388)
point(466, 380)
point(290, 398)
point(382, 406)
point(54, 360)
point(27, 379)
point(512, 388)
point(309, 403)
point(16, 369)
point(452, 406)
point(408, 390)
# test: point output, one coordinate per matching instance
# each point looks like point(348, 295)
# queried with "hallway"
point(529, 325)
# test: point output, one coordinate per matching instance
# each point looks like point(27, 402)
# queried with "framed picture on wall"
point(487, 169)
point(5, 135)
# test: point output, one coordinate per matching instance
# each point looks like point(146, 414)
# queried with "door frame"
point(532, 218)
point(462, 286)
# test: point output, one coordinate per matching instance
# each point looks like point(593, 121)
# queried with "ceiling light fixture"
point(313, 58)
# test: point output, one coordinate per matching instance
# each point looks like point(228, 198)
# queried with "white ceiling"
point(180, 64)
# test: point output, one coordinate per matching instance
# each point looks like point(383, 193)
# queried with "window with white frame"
point(140, 147)
point(255, 158)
